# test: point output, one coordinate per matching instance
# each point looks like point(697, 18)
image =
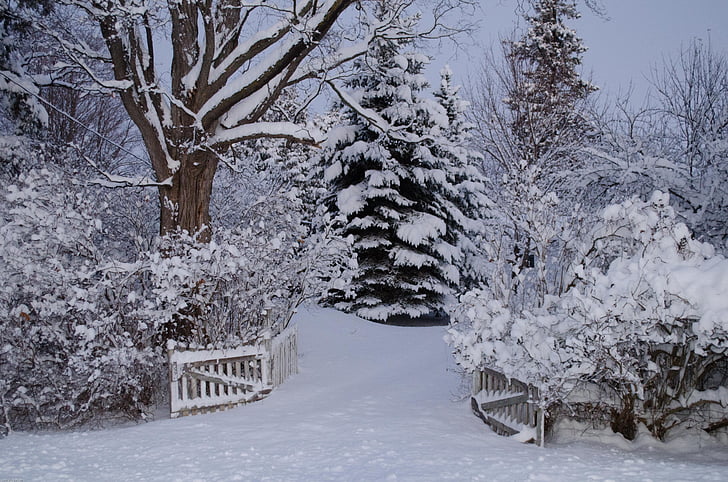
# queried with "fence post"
point(173, 384)
point(477, 382)
point(267, 362)
point(540, 427)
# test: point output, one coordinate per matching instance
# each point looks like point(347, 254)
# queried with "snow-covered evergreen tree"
point(22, 116)
point(469, 181)
point(395, 189)
point(532, 129)
point(17, 87)
point(549, 86)
point(448, 96)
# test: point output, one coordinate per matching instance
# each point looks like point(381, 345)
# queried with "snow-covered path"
point(372, 402)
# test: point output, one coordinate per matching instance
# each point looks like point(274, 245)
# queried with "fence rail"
point(508, 406)
point(203, 381)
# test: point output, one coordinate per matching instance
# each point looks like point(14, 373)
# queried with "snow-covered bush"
point(247, 281)
point(73, 337)
point(82, 329)
point(644, 323)
point(15, 152)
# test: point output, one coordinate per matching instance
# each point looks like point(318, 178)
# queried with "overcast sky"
point(626, 45)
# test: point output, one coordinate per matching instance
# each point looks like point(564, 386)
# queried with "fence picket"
point(507, 405)
point(209, 380)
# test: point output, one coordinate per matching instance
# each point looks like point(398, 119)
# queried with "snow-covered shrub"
point(73, 338)
point(645, 323)
point(246, 282)
point(529, 346)
point(656, 316)
point(82, 329)
point(15, 153)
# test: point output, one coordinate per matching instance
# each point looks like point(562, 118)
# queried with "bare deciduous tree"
point(692, 95)
point(228, 61)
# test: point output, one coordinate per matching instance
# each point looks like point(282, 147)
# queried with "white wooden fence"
point(203, 381)
point(508, 406)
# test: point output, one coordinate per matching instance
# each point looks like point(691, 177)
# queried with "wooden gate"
point(203, 381)
point(508, 406)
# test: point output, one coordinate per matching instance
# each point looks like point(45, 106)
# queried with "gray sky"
point(627, 45)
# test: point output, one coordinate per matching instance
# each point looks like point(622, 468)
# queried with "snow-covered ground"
point(372, 402)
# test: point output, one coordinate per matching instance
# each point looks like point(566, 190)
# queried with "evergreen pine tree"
point(465, 171)
point(534, 129)
point(394, 189)
point(548, 85)
point(448, 96)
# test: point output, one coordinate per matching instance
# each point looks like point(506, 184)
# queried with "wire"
point(70, 117)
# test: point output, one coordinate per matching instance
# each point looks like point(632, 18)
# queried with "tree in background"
point(692, 96)
point(675, 141)
point(548, 86)
point(531, 127)
point(16, 87)
point(469, 181)
point(83, 132)
point(21, 116)
point(395, 186)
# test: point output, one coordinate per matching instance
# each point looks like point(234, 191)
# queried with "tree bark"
point(185, 205)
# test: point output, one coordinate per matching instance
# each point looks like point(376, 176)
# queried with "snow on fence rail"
point(203, 381)
point(508, 406)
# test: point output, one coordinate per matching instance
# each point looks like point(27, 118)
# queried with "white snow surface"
point(371, 402)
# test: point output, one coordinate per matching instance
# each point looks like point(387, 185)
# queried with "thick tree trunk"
point(186, 204)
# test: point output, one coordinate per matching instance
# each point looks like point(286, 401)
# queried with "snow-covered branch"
point(400, 133)
point(114, 180)
point(276, 130)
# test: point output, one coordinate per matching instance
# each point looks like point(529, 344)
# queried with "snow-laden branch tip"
point(114, 181)
point(374, 119)
point(377, 121)
point(257, 130)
